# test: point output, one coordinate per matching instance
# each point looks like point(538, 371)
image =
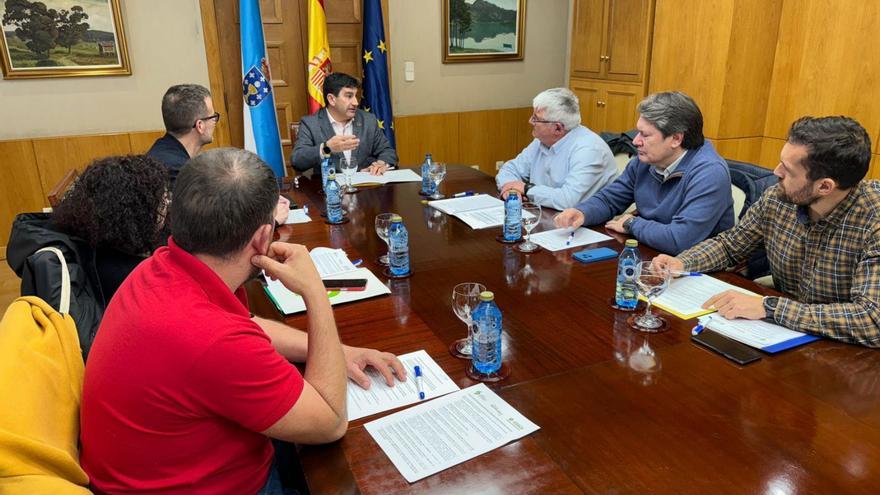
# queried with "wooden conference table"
point(620, 411)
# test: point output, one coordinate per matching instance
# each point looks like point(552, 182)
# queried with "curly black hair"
point(118, 202)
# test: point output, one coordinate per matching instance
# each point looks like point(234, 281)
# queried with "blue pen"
point(700, 327)
point(357, 262)
point(463, 194)
point(687, 274)
point(306, 209)
point(419, 383)
point(570, 238)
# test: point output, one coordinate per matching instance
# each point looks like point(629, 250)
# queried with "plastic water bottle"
point(334, 199)
point(626, 295)
point(486, 346)
point(427, 183)
point(398, 247)
point(512, 217)
point(325, 170)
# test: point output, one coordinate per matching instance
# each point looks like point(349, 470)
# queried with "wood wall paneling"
point(215, 71)
point(141, 142)
point(523, 133)
point(55, 156)
point(587, 38)
point(437, 134)
point(741, 149)
point(20, 189)
point(825, 64)
point(489, 136)
point(690, 53)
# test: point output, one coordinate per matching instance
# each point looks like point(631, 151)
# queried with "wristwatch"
point(326, 149)
point(770, 304)
point(627, 225)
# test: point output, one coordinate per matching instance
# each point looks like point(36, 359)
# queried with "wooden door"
point(285, 28)
point(590, 96)
point(627, 39)
point(588, 37)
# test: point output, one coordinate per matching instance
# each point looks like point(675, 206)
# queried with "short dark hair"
point(671, 112)
point(837, 147)
point(335, 82)
point(182, 105)
point(117, 202)
point(222, 196)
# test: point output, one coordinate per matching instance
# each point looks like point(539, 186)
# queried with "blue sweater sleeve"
point(707, 197)
point(613, 199)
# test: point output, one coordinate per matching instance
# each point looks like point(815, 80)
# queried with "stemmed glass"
point(349, 167)
point(437, 172)
point(531, 216)
point(465, 298)
point(651, 280)
point(383, 221)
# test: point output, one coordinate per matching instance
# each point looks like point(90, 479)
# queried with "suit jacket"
point(316, 129)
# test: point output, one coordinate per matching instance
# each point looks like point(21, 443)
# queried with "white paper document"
point(685, 295)
point(332, 264)
point(401, 175)
point(557, 239)
point(428, 438)
point(479, 212)
point(756, 333)
point(298, 215)
point(380, 397)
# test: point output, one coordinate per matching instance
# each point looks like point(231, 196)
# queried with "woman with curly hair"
point(118, 206)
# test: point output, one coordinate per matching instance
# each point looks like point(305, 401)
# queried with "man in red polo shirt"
point(183, 388)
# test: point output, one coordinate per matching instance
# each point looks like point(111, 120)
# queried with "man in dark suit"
point(342, 130)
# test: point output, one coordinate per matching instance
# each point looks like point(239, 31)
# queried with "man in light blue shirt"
point(566, 163)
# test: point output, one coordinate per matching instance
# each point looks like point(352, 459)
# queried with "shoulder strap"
point(64, 303)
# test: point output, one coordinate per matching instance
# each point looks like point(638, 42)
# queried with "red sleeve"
point(243, 378)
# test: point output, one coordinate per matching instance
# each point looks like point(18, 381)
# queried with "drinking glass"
point(383, 221)
point(437, 172)
point(349, 167)
point(531, 216)
point(465, 298)
point(651, 280)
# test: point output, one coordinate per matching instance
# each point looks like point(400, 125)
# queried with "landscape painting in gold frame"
point(483, 30)
point(62, 38)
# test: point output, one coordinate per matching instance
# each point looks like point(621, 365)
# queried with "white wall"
point(416, 33)
point(165, 45)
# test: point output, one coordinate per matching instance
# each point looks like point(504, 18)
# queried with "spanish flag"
point(319, 54)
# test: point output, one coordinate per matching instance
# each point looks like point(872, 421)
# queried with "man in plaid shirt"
point(821, 228)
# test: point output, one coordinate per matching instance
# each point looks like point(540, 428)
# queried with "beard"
point(802, 197)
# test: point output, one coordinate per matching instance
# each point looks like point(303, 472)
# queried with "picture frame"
point(483, 30)
point(62, 38)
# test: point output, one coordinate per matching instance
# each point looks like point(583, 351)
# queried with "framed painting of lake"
point(483, 30)
point(62, 38)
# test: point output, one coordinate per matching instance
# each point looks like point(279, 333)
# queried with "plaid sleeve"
point(730, 247)
point(857, 321)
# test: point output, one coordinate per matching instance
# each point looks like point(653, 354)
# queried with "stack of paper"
point(480, 211)
point(332, 264)
point(437, 435)
point(402, 175)
point(298, 215)
point(557, 239)
point(768, 337)
point(380, 397)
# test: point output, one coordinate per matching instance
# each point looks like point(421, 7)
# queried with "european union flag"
point(260, 121)
point(377, 94)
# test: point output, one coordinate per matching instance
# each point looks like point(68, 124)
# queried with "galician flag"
point(319, 55)
point(260, 121)
point(377, 99)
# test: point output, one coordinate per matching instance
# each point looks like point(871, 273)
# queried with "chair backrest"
point(739, 202)
point(294, 132)
point(752, 180)
point(61, 187)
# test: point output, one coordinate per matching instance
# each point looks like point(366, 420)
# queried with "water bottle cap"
point(487, 295)
point(632, 243)
point(396, 218)
point(512, 193)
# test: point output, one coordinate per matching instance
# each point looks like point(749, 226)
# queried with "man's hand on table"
point(514, 185)
point(734, 304)
point(357, 360)
point(570, 218)
point(282, 210)
point(379, 167)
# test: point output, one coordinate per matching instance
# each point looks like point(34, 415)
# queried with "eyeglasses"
point(215, 118)
point(535, 120)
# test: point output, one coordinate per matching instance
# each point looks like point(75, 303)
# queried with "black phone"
point(346, 284)
point(735, 351)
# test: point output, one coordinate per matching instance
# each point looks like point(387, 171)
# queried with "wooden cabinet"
point(611, 39)
point(608, 106)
